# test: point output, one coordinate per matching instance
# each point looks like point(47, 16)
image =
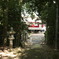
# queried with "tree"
point(47, 11)
point(10, 16)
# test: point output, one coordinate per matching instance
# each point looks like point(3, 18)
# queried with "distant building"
point(34, 24)
point(37, 26)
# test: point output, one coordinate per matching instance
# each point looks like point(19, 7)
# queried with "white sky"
point(27, 17)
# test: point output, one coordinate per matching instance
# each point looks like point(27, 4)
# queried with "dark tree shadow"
point(40, 53)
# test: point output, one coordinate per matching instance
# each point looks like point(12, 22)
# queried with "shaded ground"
point(38, 50)
point(34, 51)
point(43, 52)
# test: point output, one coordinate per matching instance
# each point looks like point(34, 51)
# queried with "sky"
point(27, 17)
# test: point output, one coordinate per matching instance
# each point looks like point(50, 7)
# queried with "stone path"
point(44, 52)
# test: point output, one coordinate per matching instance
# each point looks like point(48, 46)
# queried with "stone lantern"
point(11, 37)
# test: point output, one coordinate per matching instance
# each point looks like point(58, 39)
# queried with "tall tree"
point(47, 11)
point(10, 16)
